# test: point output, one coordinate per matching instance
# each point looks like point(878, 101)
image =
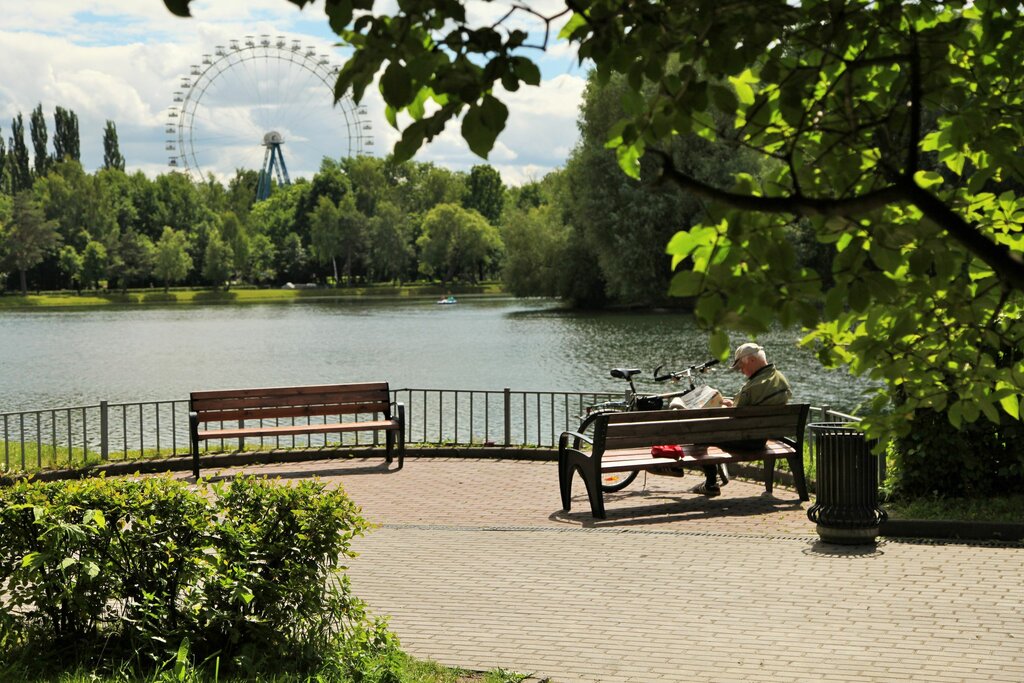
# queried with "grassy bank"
point(88, 299)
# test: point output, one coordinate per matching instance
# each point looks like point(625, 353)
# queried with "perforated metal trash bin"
point(846, 507)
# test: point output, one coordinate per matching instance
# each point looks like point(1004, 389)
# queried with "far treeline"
point(586, 233)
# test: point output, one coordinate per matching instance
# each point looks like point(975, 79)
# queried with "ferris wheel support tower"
point(273, 160)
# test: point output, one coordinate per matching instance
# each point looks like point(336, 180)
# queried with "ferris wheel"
point(250, 104)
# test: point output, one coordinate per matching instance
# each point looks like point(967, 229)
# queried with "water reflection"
point(79, 357)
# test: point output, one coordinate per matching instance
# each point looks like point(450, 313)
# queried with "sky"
point(173, 94)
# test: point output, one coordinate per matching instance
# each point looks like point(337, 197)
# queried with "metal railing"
point(107, 432)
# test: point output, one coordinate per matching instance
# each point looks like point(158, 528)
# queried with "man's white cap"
point(744, 350)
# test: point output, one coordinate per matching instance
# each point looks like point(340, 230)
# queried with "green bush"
point(979, 459)
point(245, 576)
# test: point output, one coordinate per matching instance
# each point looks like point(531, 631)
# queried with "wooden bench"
point(622, 442)
point(249, 410)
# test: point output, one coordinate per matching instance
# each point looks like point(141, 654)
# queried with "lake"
point(77, 357)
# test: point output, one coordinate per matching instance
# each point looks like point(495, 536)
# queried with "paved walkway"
point(477, 566)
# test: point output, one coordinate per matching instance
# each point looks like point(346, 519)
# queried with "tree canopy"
point(891, 128)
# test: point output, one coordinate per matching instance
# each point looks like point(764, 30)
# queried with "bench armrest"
point(400, 413)
point(576, 437)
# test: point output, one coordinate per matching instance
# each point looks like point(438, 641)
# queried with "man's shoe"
point(723, 473)
point(705, 490)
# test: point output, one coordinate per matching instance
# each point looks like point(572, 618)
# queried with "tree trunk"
point(334, 262)
point(24, 283)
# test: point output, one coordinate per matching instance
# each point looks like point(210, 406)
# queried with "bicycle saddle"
point(625, 374)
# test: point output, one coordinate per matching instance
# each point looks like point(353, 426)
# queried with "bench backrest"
point(273, 402)
point(703, 426)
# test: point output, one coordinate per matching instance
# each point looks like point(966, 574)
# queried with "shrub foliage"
point(246, 575)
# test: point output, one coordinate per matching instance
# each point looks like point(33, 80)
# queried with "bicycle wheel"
point(613, 481)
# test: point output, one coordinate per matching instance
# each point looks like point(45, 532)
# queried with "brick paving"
point(476, 566)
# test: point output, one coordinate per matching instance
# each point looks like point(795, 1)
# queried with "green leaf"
point(577, 22)
point(339, 15)
point(1011, 405)
point(412, 140)
point(723, 98)
point(526, 71)
point(629, 158)
point(178, 7)
point(686, 283)
point(396, 86)
point(742, 84)
point(719, 344)
point(482, 124)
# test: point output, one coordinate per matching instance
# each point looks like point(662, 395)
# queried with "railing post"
point(508, 416)
point(104, 439)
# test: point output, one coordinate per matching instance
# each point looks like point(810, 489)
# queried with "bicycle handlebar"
point(703, 367)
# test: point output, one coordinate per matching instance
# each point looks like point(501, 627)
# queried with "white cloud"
point(123, 60)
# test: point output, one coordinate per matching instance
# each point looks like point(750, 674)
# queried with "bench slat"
point(297, 411)
point(793, 410)
point(288, 391)
point(280, 400)
point(290, 430)
point(641, 459)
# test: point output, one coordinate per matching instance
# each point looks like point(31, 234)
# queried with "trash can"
point(846, 506)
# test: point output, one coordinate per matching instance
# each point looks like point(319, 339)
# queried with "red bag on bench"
point(671, 450)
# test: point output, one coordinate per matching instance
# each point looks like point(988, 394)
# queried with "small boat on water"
point(447, 300)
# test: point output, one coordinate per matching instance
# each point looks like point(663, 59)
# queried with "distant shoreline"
point(200, 297)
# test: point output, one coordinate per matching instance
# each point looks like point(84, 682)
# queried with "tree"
point(28, 237)
point(485, 192)
point(855, 101)
point(457, 244)
point(130, 258)
point(71, 265)
point(338, 231)
point(171, 262)
point(21, 173)
point(624, 222)
point(292, 258)
point(217, 261)
point(390, 243)
point(94, 263)
point(537, 244)
point(65, 135)
point(262, 255)
point(40, 136)
point(5, 184)
point(111, 148)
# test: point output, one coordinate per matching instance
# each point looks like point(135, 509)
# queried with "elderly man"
point(765, 386)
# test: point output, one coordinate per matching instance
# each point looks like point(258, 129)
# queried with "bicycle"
point(696, 395)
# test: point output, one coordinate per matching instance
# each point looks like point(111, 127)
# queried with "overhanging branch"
point(1008, 266)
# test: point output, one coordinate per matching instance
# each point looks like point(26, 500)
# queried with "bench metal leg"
point(769, 475)
point(796, 466)
point(193, 433)
point(595, 494)
point(565, 482)
point(389, 440)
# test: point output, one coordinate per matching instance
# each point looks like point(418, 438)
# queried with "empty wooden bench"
point(622, 443)
point(289, 411)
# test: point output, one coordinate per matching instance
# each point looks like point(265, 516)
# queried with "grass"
point(993, 509)
point(235, 296)
point(408, 670)
point(35, 457)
